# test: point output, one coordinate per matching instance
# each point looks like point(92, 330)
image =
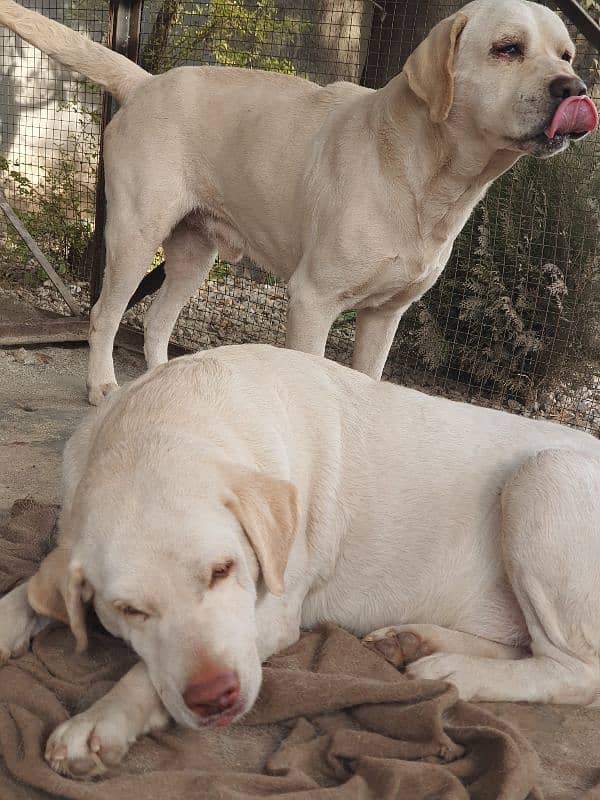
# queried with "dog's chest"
point(398, 281)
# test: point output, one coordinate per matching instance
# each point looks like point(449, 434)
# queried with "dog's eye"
point(508, 50)
point(221, 571)
point(566, 56)
point(130, 611)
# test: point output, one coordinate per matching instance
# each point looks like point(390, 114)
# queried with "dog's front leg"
point(91, 742)
point(375, 331)
point(309, 318)
point(377, 326)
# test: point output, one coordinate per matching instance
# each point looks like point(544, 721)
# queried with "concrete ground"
point(42, 398)
point(41, 401)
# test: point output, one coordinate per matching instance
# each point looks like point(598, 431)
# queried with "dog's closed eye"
point(130, 611)
point(220, 571)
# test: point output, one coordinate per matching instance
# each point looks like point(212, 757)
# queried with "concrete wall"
point(38, 99)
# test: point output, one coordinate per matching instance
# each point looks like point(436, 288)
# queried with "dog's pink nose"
point(213, 693)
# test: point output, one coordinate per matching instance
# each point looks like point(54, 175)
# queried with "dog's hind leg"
point(403, 644)
point(131, 245)
point(551, 513)
point(188, 259)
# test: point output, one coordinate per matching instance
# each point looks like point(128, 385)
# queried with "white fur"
point(474, 529)
point(353, 196)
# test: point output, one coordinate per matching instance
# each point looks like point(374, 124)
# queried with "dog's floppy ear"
point(59, 590)
point(430, 68)
point(267, 510)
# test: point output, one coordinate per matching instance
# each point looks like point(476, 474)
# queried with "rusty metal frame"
point(584, 23)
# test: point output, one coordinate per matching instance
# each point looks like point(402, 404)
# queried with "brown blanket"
point(334, 720)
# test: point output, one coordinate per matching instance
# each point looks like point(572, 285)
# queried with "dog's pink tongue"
point(576, 114)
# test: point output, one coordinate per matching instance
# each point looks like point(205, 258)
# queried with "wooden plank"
point(67, 329)
point(38, 255)
point(44, 331)
point(132, 339)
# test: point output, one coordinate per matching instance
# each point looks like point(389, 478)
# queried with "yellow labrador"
point(353, 196)
point(222, 501)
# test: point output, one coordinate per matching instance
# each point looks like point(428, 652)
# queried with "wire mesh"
point(513, 321)
point(49, 128)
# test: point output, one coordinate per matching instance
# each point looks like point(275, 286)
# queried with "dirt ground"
point(42, 398)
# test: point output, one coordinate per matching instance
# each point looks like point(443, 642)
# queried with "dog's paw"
point(90, 743)
point(96, 394)
point(18, 623)
point(13, 647)
point(450, 667)
point(399, 644)
point(13, 641)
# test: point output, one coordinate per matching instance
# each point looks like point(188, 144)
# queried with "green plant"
point(228, 32)
point(58, 210)
point(344, 319)
point(513, 310)
point(220, 269)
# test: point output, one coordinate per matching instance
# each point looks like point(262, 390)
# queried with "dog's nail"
point(59, 753)
point(368, 639)
point(95, 744)
point(390, 634)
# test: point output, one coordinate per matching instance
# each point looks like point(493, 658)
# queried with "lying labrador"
point(223, 501)
point(353, 196)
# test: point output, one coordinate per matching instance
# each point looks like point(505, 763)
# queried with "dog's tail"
point(115, 73)
point(151, 283)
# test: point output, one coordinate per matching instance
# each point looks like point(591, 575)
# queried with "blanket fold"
point(334, 720)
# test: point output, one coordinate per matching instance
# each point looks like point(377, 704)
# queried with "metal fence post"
point(124, 21)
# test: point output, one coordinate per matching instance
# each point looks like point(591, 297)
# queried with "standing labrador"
point(353, 196)
point(279, 490)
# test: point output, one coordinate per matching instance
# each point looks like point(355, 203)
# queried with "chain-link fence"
point(514, 321)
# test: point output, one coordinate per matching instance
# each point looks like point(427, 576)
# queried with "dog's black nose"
point(567, 86)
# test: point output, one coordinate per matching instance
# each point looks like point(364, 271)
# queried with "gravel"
point(233, 309)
